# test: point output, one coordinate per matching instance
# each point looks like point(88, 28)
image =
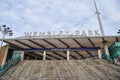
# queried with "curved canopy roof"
point(62, 43)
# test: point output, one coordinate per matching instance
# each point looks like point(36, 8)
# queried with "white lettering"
point(49, 33)
point(35, 34)
point(28, 33)
point(84, 34)
point(96, 33)
point(90, 33)
point(62, 34)
point(67, 32)
point(41, 33)
point(77, 32)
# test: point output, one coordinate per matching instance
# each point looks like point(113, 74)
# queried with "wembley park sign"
point(62, 34)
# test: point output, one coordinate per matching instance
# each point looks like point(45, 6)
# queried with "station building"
point(53, 50)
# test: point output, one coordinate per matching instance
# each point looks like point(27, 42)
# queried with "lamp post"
point(99, 20)
point(5, 31)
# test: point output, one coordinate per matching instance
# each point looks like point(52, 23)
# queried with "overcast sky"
point(56, 15)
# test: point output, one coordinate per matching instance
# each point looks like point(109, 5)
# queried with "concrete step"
point(90, 69)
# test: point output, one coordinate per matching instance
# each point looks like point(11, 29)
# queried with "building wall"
point(3, 54)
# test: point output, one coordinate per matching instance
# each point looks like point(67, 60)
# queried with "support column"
point(35, 57)
point(44, 55)
point(106, 49)
point(68, 55)
point(28, 58)
point(22, 55)
point(99, 54)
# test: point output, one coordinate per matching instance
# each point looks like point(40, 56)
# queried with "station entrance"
point(62, 53)
point(60, 50)
point(67, 48)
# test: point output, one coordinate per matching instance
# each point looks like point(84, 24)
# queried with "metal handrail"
point(15, 58)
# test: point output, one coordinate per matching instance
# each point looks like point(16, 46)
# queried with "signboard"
point(60, 34)
point(62, 49)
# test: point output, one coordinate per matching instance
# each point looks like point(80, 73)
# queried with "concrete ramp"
point(90, 69)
